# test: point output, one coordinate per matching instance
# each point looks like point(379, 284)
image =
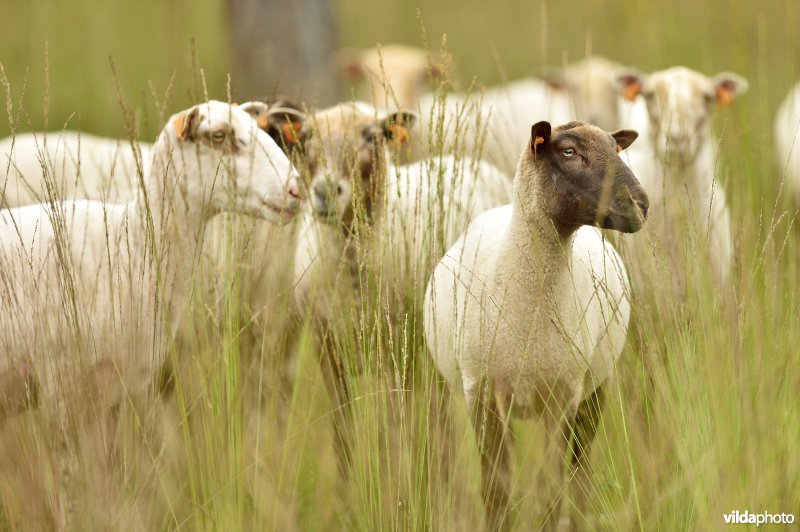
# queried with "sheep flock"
point(513, 233)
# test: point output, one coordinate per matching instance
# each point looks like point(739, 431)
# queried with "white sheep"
point(371, 221)
point(787, 147)
point(109, 282)
point(527, 313)
point(37, 167)
point(677, 162)
point(40, 167)
point(489, 123)
point(396, 75)
point(84, 166)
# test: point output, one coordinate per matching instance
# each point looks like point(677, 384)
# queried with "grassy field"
point(704, 417)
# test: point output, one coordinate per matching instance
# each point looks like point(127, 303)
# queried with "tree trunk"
point(283, 47)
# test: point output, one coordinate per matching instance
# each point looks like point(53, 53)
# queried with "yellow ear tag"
point(724, 97)
point(400, 133)
point(263, 121)
point(290, 130)
point(179, 124)
point(619, 148)
point(536, 142)
point(631, 91)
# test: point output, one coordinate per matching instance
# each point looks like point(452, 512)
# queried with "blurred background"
point(56, 54)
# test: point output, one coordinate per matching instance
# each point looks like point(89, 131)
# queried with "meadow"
point(703, 419)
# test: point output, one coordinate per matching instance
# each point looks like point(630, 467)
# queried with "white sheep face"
point(241, 168)
point(680, 103)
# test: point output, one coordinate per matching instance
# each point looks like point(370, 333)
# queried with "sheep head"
point(281, 118)
point(347, 155)
point(575, 175)
point(680, 103)
point(217, 158)
point(396, 74)
point(592, 88)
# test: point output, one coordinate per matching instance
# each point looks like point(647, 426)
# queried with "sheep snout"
point(326, 195)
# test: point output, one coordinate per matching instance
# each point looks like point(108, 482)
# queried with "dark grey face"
point(583, 180)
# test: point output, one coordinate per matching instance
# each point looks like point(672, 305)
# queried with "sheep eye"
point(218, 137)
point(568, 152)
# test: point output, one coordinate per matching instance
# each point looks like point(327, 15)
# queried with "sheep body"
point(395, 75)
point(560, 332)
point(489, 124)
point(787, 124)
point(77, 165)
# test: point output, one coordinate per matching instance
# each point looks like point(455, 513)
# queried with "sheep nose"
point(644, 206)
point(322, 190)
point(325, 190)
point(678, 139)
point(294, 190)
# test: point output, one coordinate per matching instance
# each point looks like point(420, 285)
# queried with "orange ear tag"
point(724, 97)
point(400, 133)
point(631, 91)
point(536, 142)
point(289, 131)
point(619, 148)
point(179, 124)
point(263, 121)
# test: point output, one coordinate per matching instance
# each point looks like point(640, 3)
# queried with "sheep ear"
point(347, 62)
point(286, 125)
point(286, 102)
point(185, 123)
point(624, 138)
point(258, 110)
point(727, 87)
point(540, 137)
point(397, 126)
point(435, 69)
point(555, 77)
point(629, 83)
point(439, 68)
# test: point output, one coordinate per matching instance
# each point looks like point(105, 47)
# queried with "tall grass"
point(702, 419)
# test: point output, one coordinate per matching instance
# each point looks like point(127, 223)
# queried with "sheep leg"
point(87, 415)
point(19, 390)
point(559, 429)
point(441, 448)
point(68, 463)
point(333, 372)
point(493, 444)
point(584, 430)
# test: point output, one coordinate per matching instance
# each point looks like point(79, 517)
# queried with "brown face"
point(346, 155)
point(583, 181)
